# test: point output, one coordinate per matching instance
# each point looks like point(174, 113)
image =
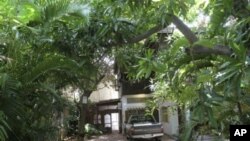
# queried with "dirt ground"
point(108, 137)
point(117, 137)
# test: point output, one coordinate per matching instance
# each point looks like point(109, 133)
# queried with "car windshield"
point(141, 118)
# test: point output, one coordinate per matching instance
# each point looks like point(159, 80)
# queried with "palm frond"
point(13, 109)
point(7, 84)
point(56, 9)
point(219, 12)
point(54, 62)
point(3, 127)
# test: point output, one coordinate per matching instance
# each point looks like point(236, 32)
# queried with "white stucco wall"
point(105, 91)
point(126, 105)
point(171, 126)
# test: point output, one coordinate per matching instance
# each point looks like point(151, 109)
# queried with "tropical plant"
point(203, 72)
point(49, 45)
point(46, 46)
point(91, 130)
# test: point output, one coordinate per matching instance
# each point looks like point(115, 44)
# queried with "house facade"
point(134, 96)
point(169, 118)
point(107, 107)
point(116, 101)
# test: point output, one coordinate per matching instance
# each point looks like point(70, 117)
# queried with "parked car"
point(143, 127)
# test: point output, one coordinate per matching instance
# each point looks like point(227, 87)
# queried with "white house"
point(108, 110)
point(115, 105)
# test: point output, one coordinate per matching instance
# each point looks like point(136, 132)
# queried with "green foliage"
point(146, 65)
point(48, 45)
point(220, 10)
point(151, 107)
point(205, 85)
point(3, 127)
point(91, 130)
point(43, 51)
point(204, 42)
point(53, 62)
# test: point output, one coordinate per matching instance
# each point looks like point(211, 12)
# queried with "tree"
point(36, 64)
point(206, 75)
point(47, 45)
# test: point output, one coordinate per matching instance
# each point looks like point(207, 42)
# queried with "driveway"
point(117, 137)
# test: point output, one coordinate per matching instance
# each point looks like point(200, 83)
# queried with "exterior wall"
point(169, 118)
point(168, 114)
point(126, 105)
point(107, 113)
point(105, 91)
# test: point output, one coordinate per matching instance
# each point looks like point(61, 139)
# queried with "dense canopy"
point(49, 45)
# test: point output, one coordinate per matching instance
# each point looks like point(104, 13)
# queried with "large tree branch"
point(184, 29)
point(189, 35)
point(198, 49)
point(145, 34)
point(205, 51)
point(139, 37)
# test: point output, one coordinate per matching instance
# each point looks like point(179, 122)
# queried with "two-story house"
point(116, 104)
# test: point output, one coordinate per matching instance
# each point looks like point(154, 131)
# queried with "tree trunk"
point(82, 108)
point(81, 121)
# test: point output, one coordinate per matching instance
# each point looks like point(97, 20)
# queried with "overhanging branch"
point(145, 34)
point(198, 49)
point(205, 51)
point(184, 29)
point(139, 37)
point(189, 35)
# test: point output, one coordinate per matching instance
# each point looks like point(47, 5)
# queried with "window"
point(97, 119)
point(115, 121)
point(164, 114)
point(107, 120)
point(141, 119)
point(138, 100)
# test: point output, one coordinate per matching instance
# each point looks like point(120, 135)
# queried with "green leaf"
point(211, 118)
point(205, 43)
point(54, 62)
point(28, 12)
point(224, 65)
point(181, 42)
point(55, 9)
point(202, 78)
point(188, 131)
point(226, 76)
point(3, 127)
